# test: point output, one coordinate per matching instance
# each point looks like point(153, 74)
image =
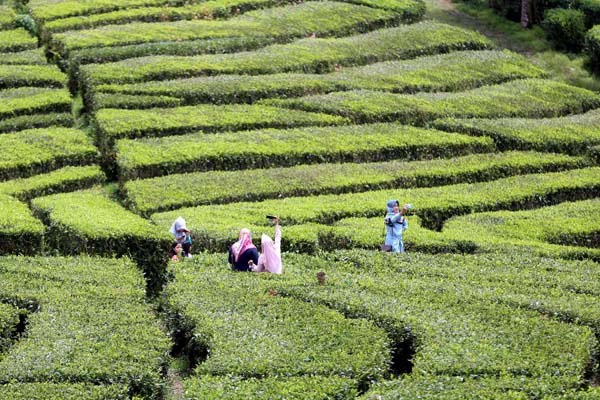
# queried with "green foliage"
point(284, 23)
point(446, 72)
point(270, 148)
point(305, 55)
point(107, 100)
point(66, 179)
point(88, 222)
point(88, 323)
point(9, 319)
point(33, 151)
point(566, 224)
point(213, 226)
point(31, 75)
point(173, 191)
point(27, 100)
point(202, 10)
point(574, 134)
point(592, 47)
point(115, 123)
point(20, 231)
point(36, 121)
point(524, 98)
point(7, 18)
point(565, 28)
point(591, 9)
point(251, 332)
point(303, 387)
point(27, 57)
point(62, 391)
point(15, 40)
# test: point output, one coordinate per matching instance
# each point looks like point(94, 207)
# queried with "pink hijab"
point(244, 243)
point(270, 259)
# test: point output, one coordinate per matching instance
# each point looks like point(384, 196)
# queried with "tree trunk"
point(526, 11)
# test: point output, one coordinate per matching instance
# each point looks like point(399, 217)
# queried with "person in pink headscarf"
point(243, 253)
point(270, 257)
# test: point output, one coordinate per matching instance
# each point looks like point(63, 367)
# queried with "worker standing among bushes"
point(395, 224)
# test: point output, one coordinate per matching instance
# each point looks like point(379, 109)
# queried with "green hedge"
point(592, 46)
point(34, 151)
point(285, 23)
point(290, 388)
point(8, 18)
point(565, 28)
point(36, 121)
point(270, 148)
point(66, 179)
point(591, 9)
point(149, 195)
point(213, 226)
point(31, 75)
point(204, 10)
point(20, 231)
point(62, 391)
point(27, 100)
point(446, 72)
point(574, 134)
point(27, 57)
point(87, 323)
point(250, 332)
point(568, 224)
point(116, 124)
point(15, 40)
point(455, 312)
point(107, 100)
point(9, 321)
point(306, 55)
point(523, 98)
point(89, 222)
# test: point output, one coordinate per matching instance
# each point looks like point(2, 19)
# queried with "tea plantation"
point(118, 116)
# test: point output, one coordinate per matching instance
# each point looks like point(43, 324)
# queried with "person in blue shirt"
point(395, 224)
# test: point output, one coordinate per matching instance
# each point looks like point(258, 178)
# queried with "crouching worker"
point(182, 235)
point(395, 224)
point(243, 253)
point(270, 257)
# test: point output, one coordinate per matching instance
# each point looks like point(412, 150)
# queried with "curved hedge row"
point(27, 57)
point(88, 222)
point(15, 40)
point(447, 72)
point(87, 323)
point(532, 98)
point(574, 134)
point(28, 100)
point(174, 191)
point(115, 124)
point(20, 231)
point(33, 121)
point(269, 148)
point(213, 226)
point(31, 75)
point(284, 23)
point(306, 55)
point(33, 151)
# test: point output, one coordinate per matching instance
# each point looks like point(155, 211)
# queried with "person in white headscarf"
point(182, 235)
point(270, 257)
point(243, 252)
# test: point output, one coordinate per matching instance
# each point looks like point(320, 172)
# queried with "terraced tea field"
point(118, 116)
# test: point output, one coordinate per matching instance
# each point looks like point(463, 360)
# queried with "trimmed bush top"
point(445, 72)
point(33, 151)
point(16, 218)
point(573, 134)
point(31, 100)
point(27, 57)
point(533, 98)
point(31, 75)
point(116, 123)
point(16, 40)
point(88, 322)
point(91, 213)
point(322, 18)
point(179, 190)
point(307, 55)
